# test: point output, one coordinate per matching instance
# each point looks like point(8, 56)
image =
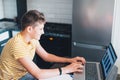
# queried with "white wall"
point(55, 10)
point(1, 9)
point(10, 8)
point(116, 32)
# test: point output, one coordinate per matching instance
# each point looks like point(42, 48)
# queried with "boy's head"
point(31, 18)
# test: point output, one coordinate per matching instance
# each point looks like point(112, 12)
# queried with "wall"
point(10, 9)
point(1, 9)
point(55, 10)
point(116, 32)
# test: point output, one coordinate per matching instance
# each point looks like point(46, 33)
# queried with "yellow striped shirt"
point(10, 68)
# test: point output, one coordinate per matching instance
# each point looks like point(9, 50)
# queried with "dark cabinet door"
point(56, 45)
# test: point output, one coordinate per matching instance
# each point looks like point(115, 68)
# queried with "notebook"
point(98, 70)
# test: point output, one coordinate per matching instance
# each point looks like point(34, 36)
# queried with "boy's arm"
point(47, 73)
point(53, 58)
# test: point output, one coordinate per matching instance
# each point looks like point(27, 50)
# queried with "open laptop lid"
point(108, 60)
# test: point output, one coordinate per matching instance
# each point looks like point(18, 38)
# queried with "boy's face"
point(37, 31)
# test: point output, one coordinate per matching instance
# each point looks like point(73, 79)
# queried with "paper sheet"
point(61, 77)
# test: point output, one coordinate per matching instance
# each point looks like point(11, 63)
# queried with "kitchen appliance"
point(92, 28)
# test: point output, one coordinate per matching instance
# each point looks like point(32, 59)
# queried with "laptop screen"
point(108, 60)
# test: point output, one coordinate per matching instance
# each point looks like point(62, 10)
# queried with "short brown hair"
point(31, 17)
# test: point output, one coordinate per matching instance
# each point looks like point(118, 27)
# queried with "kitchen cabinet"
point(4, 37)
point(6, 32)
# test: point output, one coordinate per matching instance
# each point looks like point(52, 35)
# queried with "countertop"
point(4, 26)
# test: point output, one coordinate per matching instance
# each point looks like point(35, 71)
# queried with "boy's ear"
point(29, 28)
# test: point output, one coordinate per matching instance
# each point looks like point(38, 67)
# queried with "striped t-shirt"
point(16, 48)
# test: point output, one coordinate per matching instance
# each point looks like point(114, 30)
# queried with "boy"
point(16, 58)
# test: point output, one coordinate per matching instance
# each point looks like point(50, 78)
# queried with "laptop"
point(98, 70)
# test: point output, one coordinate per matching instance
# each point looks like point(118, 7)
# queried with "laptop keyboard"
point(91, 71)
